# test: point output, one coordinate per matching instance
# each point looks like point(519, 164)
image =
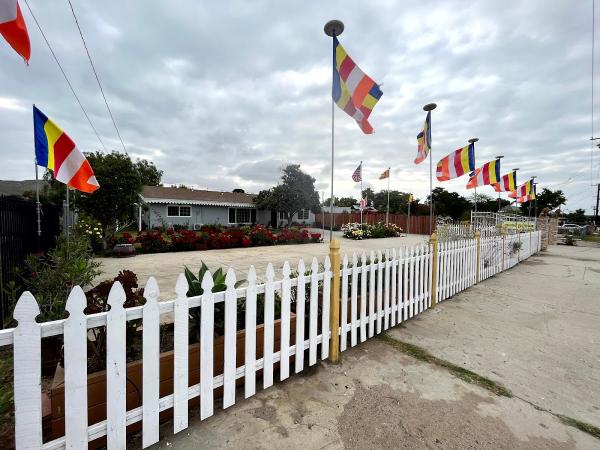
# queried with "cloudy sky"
point(223, 94)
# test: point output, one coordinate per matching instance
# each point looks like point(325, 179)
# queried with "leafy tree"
point(449, 204)
point(486, 203)
point(296, 192)
point(121, 180)
point(578, 216)
point(546, 199)
point(341, 201)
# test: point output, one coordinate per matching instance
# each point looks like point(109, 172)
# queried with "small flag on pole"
point(357, 175)
point(14, 29)
point(353, 90)
point(385, 174)
point(363, 203)
point(55, 150)
point(424, 140)
point(522, 191)
point(508, 183)
point(489, 173)
point(456, 164)
point(526, 198)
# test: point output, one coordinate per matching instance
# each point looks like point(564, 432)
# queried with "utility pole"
point(597, 205)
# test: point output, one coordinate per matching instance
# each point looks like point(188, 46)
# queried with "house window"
point(282, 215)
point(242, 215)
point(303, 214)
point(179, 211)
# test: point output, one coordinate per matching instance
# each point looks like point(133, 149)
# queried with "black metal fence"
point(18, 238)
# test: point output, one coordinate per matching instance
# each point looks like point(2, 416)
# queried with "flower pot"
point(97, 380)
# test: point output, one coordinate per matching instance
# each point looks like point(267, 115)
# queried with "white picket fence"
point(378, 291)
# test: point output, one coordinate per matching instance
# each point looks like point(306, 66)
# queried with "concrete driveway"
point(165, 267)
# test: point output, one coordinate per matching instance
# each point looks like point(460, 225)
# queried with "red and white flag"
point(14, 29)
point(357, 175)
point(363, 203)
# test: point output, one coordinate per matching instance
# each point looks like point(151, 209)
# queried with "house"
point(169, 206)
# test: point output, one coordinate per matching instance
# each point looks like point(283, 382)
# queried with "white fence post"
point(250, 341)
point(151, 364)
point(207, 331)
point(27, 356)
point(75, 363)
point(229, 352)
point(286, 288)
point(181, 355)
point(300, 312)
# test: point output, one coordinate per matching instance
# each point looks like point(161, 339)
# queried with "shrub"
point(152, 241)
point(366, 231)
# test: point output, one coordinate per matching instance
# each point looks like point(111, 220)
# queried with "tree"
point(546, 199)
point(486, 203)
point(577, 217)
point(449, 204)
point(295, 193)
point(121, 180)
point(343, 201)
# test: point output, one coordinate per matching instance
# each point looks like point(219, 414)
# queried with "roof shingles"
point(161, 194)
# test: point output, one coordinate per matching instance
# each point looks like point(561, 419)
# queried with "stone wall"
point(549, 228)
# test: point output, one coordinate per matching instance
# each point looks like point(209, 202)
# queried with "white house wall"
point(156, 216)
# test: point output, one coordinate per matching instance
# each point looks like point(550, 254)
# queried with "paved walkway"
point(165, 267)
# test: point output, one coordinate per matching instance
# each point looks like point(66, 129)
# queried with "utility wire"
point(96, 75)
point(65, 76)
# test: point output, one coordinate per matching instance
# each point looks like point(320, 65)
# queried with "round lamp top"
point(429, 107)
point(473, 140)
point(334, 28)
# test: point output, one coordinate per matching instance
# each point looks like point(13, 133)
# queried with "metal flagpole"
point(332, 28)
point(430, 107)
point(361, 202)
point(323, 214)
point(37, 206)
point(68, 215)
point(387, 213)
point(408, 230)
point(472, 141)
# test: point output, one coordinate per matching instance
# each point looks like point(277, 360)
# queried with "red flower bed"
point(216, 237)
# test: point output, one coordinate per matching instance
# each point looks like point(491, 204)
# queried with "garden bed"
point(356, 231)
point(214, 237)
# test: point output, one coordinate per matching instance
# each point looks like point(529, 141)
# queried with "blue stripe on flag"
point(40, 138)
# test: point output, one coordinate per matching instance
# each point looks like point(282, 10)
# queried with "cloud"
point(222, 94)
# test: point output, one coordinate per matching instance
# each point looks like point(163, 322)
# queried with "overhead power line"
point(96, 75)
point(65, 75)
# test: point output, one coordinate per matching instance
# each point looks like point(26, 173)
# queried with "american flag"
point(357, 175)
point(363, 203)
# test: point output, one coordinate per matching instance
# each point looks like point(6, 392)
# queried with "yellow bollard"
point(434, 268)
point(334, 302)
point(478, 243)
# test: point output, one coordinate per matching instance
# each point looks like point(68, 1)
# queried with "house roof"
point(166, 195)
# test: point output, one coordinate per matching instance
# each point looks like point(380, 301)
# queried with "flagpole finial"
point(499, 156)
point(514, 170)
point(334, 28)
point(473, 140)
point(429, 107)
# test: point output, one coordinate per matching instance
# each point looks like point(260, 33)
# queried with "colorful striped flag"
point(526, 198)
point(357, 175)
point(456, 164)
point(385, 174)
point(508, 183)
point(55, 150)
point(489, 173)
point(353, 90)
point(523, 190)
point(424, 140)
point(14, 29)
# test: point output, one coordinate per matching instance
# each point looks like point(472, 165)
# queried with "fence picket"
point(116, 366)
point(27, 356)
point(353, 301)
point(412, 281)
point(230, 352)
point(325, 309)
point(250, 341)
point(421, 278)
point(386, 290)
point(150, 365)
point(372, 295)
point(393, 279)
point(286, 287)
point(300, 306)
point(180, 349)
point(363, 297)
point(379, 290)
point(75, 365)
point(344, 305)
point(314, 313)
point(269, 330)
point(207, 330)
point(405, 284)
point(400, 290)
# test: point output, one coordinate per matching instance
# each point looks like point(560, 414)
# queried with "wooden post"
point(334, 305)
point(478, 243)
point(434, 268)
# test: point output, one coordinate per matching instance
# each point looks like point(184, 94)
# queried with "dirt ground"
point(532, 329)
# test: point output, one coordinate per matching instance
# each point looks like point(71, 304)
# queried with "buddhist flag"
point(14, 29)
point(522, 191)
point(353, 90)
point(456, 163)
point(385, 174)
point(526, 198)
point(424, 140)
point(55, 150)
point(508, 183)
point(489, 173)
